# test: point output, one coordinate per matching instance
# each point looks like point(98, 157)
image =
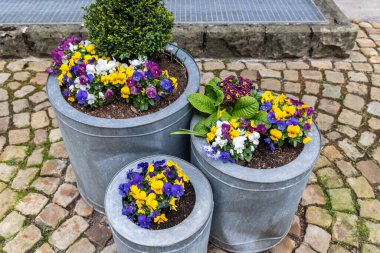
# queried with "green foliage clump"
point(127, 29)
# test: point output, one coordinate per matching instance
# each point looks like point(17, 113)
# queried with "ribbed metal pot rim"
point(289, 171)
point(61, 105)
point(165, 237)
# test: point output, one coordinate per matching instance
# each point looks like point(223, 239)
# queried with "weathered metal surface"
point(254, 208)
point(191, 235)
point(99, 147)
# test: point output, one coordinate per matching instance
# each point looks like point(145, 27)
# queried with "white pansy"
point(112, 64)
point(238, 143)
point(85, 42)
point(252, 148)
point(254, 138)
point(101, 67)
point(218, 132)
point(72, 47)
point(90, 68)
point(139, 61)
point(78, 85)
point(91, 99)
point(219, 142)
point(101, 95)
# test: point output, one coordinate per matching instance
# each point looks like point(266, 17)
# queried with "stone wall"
point(333, 39)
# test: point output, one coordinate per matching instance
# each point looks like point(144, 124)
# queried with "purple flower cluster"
point(235, 87)
point(58, 53)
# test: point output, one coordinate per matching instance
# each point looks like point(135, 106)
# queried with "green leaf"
point(261, 118)
point(201, 127)
point(223, 115)
point(186, 131)
point(214, 81)
point(202, 103)
point(215, 93)
point(256, 95)
point(210, 120)
point(246, 107)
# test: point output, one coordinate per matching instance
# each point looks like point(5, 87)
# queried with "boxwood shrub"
point(126, 29)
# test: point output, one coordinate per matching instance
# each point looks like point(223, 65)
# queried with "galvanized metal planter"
point(99, 147)
point(254, 208)
point(191, 235)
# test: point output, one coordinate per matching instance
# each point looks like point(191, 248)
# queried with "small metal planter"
point(99, 147)
point(254, 208)
point(191, 235)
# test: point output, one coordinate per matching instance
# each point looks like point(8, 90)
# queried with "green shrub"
point(126, 29)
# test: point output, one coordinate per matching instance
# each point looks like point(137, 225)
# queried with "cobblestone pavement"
point(41, 210)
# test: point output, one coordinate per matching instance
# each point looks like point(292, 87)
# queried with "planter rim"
point(197, 219)
point(295, 168)
point(54, 94)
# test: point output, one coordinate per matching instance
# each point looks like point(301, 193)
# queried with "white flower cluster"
point(234, 140)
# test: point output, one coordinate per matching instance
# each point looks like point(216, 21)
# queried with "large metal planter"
point(99, 147)
point(254, 208)
point(191, 235)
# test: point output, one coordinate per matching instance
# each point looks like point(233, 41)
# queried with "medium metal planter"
point(99, 147)
point(254, 208)
point(191, 235)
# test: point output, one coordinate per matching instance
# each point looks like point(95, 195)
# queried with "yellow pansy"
point(121, 78)
point(151, 202)
point(252, 123)
point(185, 178)
point(289, 109)
point(91, 49)
point(70, 99)
point(64, 68)
point(172, 204)
point(125, 91)
point(306, 140)
point(60, 79)
point(281, 99)
point(234, 123)
point(280, 115)
point(76, 56)
point(150, 168)
point(179, 183)
point(234, 133)
point(267, 97)
point(87, 57)
point(160, 219)
point(293, 131)
point(105, 79)
point(165, 73)
point(210, 137)
point(157, 186)
point(129, 72)
point(140, 211)
point(275, 134)
point(174, 82)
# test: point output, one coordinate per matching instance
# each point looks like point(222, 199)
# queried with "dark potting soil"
point(184, 207)
point(263, 158)
point(118, 109)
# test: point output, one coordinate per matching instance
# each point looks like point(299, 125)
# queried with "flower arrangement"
point(238, 118)
point(289, 120)
point(151, 190)
point(232, 140)
point(90, 79)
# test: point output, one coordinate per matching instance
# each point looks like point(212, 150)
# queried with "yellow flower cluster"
point(118, 77)
point(156, 185)
point(86, 53)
